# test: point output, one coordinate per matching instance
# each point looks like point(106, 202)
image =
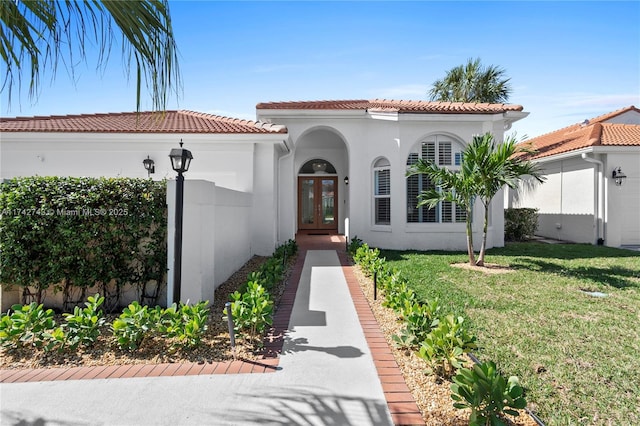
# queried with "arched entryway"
point(321, 165)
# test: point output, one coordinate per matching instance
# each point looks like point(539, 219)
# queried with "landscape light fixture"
point(180, 161)
point(149, 165)
point(618, 176)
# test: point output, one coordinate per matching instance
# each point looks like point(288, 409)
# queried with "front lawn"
point(577, 355)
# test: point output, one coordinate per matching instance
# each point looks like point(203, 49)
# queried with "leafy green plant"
point(419, 320)
point(69, 234)
point(445, 344)
point(398, 295)
point(83, 325)
point(354, 245)
point(29, 325)
point(251, 311)
point(131, 326)
point(185, 324)
point(487, 393)
point(520, 224)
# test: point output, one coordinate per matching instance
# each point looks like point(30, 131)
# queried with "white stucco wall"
point(216, 237)
point(568, 201)
point(352, 141)
point(565, 202)
point(623, 202)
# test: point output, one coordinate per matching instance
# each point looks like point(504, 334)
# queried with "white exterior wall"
point(355, 140)
point(566, 201)
point(623, 202)
point(569, 205)
point(212, 250)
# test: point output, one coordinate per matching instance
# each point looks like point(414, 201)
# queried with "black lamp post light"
point(180, 161)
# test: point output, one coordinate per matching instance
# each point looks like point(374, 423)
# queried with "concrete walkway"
point(326, 376)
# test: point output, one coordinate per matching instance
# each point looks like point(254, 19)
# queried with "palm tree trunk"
point(472, 256)
point(483, 247)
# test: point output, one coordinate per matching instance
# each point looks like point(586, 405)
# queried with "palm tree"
point(497, 165)
point(486, 168)
point(36, 35)
point(459, 187)
point(472, 83)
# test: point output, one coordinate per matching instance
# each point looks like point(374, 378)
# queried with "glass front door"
point(317, 207)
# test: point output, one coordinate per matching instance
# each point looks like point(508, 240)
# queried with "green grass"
point(578, 356)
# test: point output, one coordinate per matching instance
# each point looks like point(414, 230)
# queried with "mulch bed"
point(215, 343)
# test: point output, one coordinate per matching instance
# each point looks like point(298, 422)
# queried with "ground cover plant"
point(576, 355)
point(32, 336)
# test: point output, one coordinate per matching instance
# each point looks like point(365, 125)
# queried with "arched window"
point(382, 192)
point(445, 152)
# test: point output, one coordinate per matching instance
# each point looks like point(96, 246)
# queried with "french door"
point(317, 202)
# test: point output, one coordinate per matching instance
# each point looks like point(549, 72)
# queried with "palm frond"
point(37, 35)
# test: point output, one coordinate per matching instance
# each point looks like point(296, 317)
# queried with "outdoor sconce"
point(180, 160)
point(618, 176)
point(346, 180)
point(149, 165)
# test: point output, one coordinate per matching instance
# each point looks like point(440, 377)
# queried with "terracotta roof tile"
point(395, 105)
point(593, 132)
point(130, 122)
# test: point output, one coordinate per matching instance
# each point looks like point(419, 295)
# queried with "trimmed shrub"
point(71, 234)
point(520, 224)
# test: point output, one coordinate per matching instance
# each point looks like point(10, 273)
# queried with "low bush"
point(184, 324)
point(29, 325)
point(486, 392)
point(520, 224)
point(445, 344)
point(83, 325)
point(251, 311)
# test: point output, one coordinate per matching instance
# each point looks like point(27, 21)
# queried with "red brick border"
point(402, 406)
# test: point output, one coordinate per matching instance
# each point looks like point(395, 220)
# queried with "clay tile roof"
point(145, 122)
point(395, 105)
point(592, 132)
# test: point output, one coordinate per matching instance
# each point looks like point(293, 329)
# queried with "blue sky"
point(567, 60)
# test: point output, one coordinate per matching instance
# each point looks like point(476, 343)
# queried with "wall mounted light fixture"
point(149, 165)
point(618, 176)
point(346, 180)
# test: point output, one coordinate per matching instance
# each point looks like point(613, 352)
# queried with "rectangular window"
point(461, 214)
point(447, 207)
point(382, 196)
point(458, 158)
point(444, 154)
point(383, 211)
point(429, 151)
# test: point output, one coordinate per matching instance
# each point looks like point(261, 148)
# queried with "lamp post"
point(180, 160)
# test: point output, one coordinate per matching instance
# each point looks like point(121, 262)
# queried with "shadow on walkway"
point(297, 406)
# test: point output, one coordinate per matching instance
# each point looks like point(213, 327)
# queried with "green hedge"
point(71, 234)
point(520, 224)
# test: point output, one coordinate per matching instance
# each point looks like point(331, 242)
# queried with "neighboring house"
point(317, 167)
point(581, 201)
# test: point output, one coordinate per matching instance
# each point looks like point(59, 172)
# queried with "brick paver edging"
point(402, 406)
point(267, 364)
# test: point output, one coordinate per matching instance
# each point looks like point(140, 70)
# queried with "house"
point(315, 167)
point(585, 199)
